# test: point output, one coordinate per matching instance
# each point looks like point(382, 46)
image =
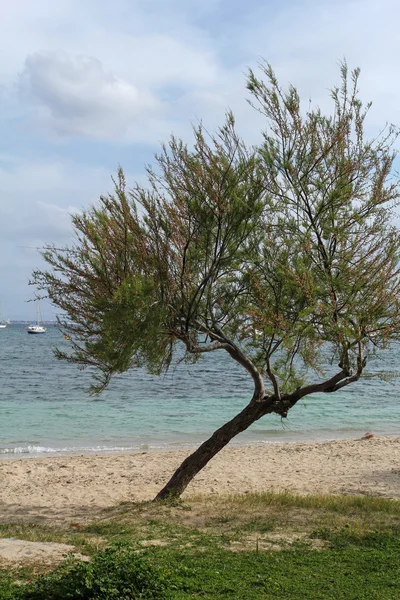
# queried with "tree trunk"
point(253, 411)
point(220, 438)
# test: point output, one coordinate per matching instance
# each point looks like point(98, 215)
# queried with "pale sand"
point(76, 487)
point(21, 552)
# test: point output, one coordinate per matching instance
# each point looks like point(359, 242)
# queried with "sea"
point(46, 410)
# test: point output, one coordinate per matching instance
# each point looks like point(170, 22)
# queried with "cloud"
point(75, 95)
point(37, 198)
point(305, 42)
point(85, 86)
point(36, 201)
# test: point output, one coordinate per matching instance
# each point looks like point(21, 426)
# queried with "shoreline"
point(38, 451)
point(75, 487)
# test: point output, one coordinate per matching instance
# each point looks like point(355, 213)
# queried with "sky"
point(88, 85)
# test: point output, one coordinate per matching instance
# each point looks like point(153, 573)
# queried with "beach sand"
point(76, 487)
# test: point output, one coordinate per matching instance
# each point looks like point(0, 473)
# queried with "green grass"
point(349, 572)
point(254, 546)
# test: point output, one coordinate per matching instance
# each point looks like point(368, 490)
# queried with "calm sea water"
point(45, 408)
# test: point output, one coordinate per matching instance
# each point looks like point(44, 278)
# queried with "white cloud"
point(113, 72)
point(74, 95)
point(36, 201)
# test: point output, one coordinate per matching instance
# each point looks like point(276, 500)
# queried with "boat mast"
point(38, 313)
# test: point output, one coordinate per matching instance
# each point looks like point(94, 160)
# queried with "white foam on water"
point(66, 450)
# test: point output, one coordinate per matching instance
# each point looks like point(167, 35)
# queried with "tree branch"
point(273, 379)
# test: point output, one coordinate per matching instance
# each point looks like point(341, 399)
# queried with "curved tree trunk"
point(253, 411)
point(220, 438)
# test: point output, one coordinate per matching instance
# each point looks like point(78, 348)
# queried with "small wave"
point(69, 450)
point(33, 450)
point(27, 450)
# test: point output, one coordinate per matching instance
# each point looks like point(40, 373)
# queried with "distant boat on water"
point(38, 326)
point(3, 323)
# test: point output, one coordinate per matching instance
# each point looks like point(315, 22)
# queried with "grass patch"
point(234, 504)
point(116, 573)
point(279, 546)
point(355, 569)
point(356, 573)
point(32, 532)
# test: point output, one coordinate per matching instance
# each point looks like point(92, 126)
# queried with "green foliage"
point(347, 547)
point(346, 538)
point(290, 574)
point(363, 568)
point(8, 588)
point(356, 574)
point(283, 255)
point(117, 573)
point(332, 239)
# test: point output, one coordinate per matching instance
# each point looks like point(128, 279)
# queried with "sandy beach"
point(76, 487)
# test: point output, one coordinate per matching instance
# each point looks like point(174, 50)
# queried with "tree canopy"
point(283, 255)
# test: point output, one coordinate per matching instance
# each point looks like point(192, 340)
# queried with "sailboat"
point(38, 326)
point(3, 324)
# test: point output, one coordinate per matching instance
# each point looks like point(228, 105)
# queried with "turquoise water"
point(45, 408)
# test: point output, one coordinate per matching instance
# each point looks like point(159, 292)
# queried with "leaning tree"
point(283, 255)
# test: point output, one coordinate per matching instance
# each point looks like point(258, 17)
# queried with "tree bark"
point(220, 438)
point(251, 413)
